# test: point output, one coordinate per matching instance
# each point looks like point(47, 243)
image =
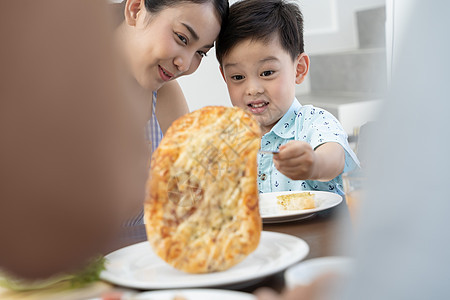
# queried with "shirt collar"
point(284, 127)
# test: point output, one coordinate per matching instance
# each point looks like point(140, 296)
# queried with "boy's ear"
point(132, 9)
point(221, 72)
point(302, 67)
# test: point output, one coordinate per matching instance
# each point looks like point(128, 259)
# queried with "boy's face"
point(261, 79)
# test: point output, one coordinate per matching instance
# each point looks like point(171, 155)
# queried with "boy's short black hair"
point(260, 20)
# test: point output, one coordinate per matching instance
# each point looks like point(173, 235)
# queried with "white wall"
point(206, 86)
point(366, 4)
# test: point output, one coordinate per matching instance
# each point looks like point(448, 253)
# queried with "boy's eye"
point(182, 38)
point(237, 77)
point(202, 53)
point(267, 73)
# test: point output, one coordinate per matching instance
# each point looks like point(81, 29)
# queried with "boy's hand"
point(296, 160)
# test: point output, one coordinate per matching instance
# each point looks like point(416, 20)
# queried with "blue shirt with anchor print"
point(302, 123)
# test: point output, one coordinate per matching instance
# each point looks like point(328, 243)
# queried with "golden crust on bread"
point(201, 209)
point(303, 200)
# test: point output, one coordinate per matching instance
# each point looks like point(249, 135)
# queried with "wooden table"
point(321, 232)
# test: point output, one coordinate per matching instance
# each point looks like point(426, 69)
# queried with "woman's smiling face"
point(172, 42)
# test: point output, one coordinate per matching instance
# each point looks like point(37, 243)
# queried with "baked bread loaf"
point(303, 200)
point(201, 209)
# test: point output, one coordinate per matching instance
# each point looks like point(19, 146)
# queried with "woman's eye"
point(267, 73)
point(237, 77)
point(202, 53)
point(182, 38)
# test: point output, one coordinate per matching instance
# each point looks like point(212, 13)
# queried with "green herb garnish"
point(90, 273)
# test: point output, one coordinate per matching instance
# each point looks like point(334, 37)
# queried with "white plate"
point(305, 272)
point(271, 213)
point(195, 294)
point(137, 266)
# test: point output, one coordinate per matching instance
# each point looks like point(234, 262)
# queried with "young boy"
point(261, 57)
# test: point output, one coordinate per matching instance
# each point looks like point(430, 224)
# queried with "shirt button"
point(262, 177)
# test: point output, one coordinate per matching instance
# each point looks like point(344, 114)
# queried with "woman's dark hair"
point(221, 6)
point(261, 20)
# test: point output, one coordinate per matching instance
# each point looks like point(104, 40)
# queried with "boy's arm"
point(298, 161)
point(330, 161)
point(170, 105)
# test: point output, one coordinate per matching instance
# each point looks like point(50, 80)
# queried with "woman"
point(159, 41)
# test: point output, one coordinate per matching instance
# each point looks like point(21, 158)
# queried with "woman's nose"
point(183, 62)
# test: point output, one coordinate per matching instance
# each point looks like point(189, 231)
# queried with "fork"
point(268, 152)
